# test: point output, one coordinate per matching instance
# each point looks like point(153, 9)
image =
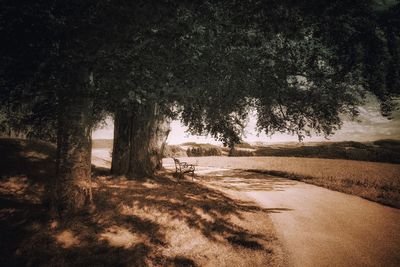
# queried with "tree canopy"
point(298, 63)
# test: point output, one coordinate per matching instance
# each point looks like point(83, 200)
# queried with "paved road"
point(320, 227)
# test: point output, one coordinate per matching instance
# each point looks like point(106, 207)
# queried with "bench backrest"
point(177, 164)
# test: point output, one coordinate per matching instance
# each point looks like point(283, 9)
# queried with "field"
point(377, 151)
point(375, 181)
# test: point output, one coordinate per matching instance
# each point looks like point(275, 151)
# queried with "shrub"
point(201, 151)
point(244, 145)
point(241, 153)
point(174, 151)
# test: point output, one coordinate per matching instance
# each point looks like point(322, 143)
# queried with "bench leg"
point(178, 175)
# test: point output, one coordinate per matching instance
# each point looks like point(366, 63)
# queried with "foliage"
point(299, 65)
point(365, 38)
point(174, 151)
point(243, 145)
point(241, 153)
point(203, 152)
point(297, 79)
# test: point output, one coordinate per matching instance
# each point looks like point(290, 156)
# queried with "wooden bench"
point(183, 167)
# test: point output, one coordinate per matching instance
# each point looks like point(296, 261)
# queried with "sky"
point(369, 126)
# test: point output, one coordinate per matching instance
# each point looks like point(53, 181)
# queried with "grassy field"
point(377, 151)
point(157, 222)
point(375, 181)
point(102, 143)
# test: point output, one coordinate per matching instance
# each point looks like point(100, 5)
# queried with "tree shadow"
point(181, 261)
point(196, 205)
point(19, 220)
point(133, 223)
point(246, 180)
point(116, 237)
point(27, 238)
point(100, 171)
point(22, 157)
point(242, 240)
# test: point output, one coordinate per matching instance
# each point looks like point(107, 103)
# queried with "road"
point(317, 226)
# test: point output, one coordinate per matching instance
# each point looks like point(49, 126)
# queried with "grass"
point(375, 181)
point(378, 151)
point(102, 143)
point(158, 222)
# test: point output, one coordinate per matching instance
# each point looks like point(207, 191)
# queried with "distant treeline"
point(200, 151)
point(378, 151)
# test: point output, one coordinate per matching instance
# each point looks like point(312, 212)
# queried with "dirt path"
point(318, 227)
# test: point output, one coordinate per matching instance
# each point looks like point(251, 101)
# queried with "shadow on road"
point(240, 180)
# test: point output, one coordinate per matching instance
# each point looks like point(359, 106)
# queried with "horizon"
point(288, 142)
point(369, 126)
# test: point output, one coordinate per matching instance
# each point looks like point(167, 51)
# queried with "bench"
point(183, 167)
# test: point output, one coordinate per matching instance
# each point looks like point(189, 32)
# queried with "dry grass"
point(379, 182)
point(158, 222)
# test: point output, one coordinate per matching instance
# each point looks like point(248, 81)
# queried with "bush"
point(202, 152)
point(244, 145)
point(173, 151)
point(241, 153)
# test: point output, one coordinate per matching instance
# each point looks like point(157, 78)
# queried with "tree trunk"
point(121, 142)
point(148, 131)
point(148, 136)
point(73, 180)
point(9, 116)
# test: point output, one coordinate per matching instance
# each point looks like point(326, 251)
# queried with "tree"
point(55, 46)
point(139, 140)
point(303, 73)
point(73, 184)
point(364, 36)
point(149, 134)
point(299, 65)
